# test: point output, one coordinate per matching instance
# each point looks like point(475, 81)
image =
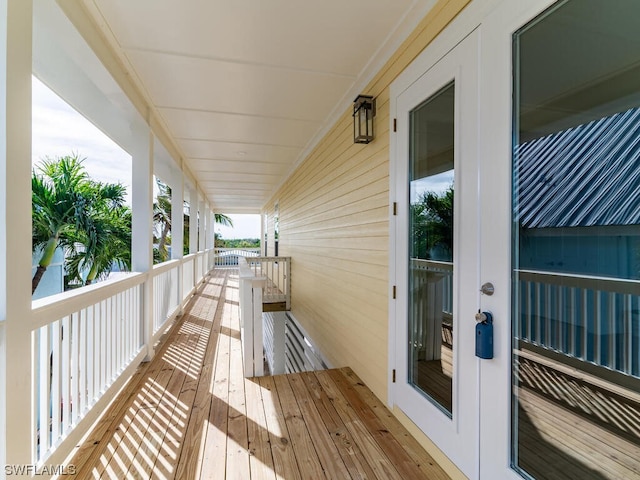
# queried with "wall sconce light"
point(364, 109)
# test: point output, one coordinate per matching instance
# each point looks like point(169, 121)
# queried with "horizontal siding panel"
point(370, 184)
point(353, 316)
point(373, 258)
point(338, 212)
point(334, 223)
point(357, 324)
point(343, 150)
point(347, 272)
point(340, 173)
point(344, 235)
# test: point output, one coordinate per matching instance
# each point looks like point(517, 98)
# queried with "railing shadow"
point(611, 418)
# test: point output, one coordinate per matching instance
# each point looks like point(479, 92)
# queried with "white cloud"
point(59, 130)
point(244, 226)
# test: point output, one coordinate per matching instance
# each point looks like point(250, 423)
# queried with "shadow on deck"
point(190, 414)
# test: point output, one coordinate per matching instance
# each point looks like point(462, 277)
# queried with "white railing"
point(95, 335)
point(273, 339)
point(301, 353)
point(199, 263)
point(251, 320)
point(431, 306)
point(422, 269)
point(188, 272)
point(86, 344)
point(287, 347)
point(277, 271)
point(211, 259)
point(228, 257)
point(166, 293)
point(204, 263)
point(595, 319)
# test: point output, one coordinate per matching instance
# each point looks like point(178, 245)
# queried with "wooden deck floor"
point(190, 414)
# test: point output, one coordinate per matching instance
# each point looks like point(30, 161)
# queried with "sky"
point(245, 226)
point(59, 130)
point(438, 183)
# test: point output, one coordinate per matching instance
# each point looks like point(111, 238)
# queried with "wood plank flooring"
point(190, 414)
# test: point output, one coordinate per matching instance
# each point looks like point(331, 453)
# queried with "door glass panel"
point(431, 248)
point(576, 242)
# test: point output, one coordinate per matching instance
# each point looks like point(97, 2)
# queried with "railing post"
point(256, 317)
point(279, 347)
point(287, 282)
point(246, 322)
point(251, 320)
point(17, 422)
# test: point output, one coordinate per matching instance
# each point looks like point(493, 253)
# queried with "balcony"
point(191, 413)
point(193, 408)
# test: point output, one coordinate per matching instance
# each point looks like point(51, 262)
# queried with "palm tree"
point(162, 219)
point(106, 243)
point(64, 199)
point(432, 224)
point(220, 218)
point(223, 219)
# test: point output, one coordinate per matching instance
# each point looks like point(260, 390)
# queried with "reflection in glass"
point(431, 248)
point(576, 261)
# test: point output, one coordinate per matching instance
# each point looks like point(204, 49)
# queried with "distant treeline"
point(239, 243)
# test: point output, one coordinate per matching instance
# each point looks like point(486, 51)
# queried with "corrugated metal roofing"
point(585, 176)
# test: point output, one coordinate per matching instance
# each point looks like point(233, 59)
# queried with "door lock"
point(487, 289)
point(484, 335)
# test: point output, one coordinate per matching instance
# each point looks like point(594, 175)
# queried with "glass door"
point(576, 243)
point(560, 239)
point(436, 383)
point(524, 173)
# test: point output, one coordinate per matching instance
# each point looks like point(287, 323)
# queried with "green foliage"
point(223, 219)
point(432, 226)
point(105, 243)
point(162, 221)
point(240, 243)
point(86, 217)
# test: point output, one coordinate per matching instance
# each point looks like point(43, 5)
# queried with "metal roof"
point(587, 175)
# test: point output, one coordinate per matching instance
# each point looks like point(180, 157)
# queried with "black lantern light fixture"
point(364, 109)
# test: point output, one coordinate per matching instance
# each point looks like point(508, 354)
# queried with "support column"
point(177, 228)
point(203, 225)
point(193, 220)
point(17, 444)
point(199, 270)
point(212, 233)
point(142, 223)
point(210, 240)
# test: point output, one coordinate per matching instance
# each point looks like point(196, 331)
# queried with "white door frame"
point(457, 436)
point(497, 21)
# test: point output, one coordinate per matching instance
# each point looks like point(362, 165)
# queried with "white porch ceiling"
point(245, 88)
